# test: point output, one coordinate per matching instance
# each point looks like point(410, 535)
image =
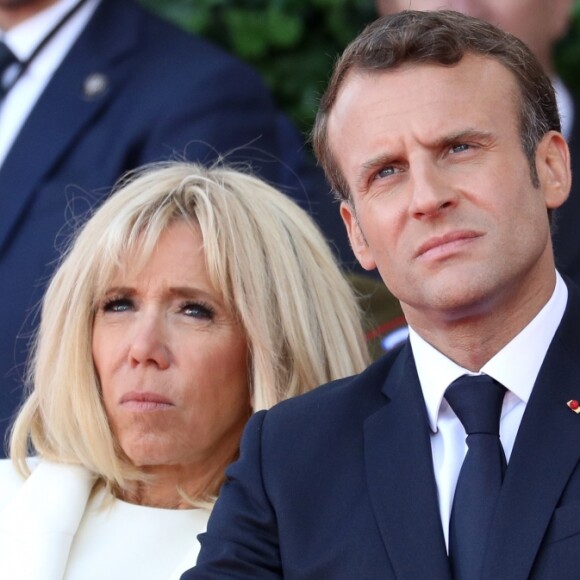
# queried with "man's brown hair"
point(439, 37)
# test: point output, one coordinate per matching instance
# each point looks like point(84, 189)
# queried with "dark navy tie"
point(7, 59)
point(477, 402)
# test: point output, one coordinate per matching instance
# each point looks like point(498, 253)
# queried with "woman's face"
point(171, 359)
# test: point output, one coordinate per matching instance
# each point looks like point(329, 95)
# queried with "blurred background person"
point(540, 25)
point(192, 298)
point(92, 88)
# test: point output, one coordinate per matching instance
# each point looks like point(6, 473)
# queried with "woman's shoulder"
point(10, 480)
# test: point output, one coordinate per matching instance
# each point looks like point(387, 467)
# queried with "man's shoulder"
point(568, 329)
point(316, 431)
point(357, 395)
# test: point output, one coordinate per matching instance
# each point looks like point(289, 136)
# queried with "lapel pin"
point(95, 85)
point(574, 405)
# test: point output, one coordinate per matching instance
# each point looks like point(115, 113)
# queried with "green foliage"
point(293, 43)
point(568, 52)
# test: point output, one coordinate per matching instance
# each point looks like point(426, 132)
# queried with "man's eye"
point(386, 172)
point(198, 310)
point(118, 305)
point(460, 147)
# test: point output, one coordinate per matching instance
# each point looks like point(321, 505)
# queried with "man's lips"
point(447, 241)
point(145, 401)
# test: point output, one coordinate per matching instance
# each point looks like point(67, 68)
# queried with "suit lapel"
point(64, 109)
point(400, 477)
point(545, 453)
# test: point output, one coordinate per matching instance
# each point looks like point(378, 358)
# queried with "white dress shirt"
point(516, 367)
point(22, 41)
point(565, 106)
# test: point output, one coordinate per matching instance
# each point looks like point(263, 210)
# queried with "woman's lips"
point(145, 401)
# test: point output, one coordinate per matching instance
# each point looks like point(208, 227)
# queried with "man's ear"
point(357, 239)
point(553, 166)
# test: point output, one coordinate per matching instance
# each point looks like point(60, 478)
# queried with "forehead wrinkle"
point(388, 157)
point(127, 290)
point(192, 292)
point(461, 135)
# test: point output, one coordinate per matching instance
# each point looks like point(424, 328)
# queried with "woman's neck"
point(175, 486)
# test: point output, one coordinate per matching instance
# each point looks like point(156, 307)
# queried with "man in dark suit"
point(441, 134)
point(130, 89)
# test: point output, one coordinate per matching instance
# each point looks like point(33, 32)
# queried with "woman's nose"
point(149, 342)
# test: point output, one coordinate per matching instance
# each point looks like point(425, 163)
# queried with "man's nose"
point(431, 191)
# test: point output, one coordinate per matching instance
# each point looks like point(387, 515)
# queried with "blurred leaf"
point(248, 34)
point(284, 29)
point(294, 43)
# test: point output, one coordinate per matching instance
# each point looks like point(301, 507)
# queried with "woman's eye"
point(198, 310)
point(118, 305)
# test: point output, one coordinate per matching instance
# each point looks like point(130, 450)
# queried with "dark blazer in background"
point(566, 226)
point(133, 89)
point(339, 483)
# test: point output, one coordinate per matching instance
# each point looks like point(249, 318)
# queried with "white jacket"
point(39, 518)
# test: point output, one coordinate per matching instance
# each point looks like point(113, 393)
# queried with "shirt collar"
point(515, 366)
point(23, 38)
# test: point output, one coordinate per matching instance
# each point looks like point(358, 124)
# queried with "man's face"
point(443, 202)
point(18, 4)
point(537, 22)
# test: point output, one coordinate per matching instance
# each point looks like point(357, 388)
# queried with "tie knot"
point(477, 401)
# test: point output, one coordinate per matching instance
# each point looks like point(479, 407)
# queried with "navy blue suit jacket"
point(166, 94)
point(339, 483)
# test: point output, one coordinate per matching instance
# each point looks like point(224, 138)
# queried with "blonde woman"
point(192, 298)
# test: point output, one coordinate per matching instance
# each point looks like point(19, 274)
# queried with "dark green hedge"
point(294, 43)
point(568, 53)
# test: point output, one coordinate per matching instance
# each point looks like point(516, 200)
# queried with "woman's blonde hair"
point(263, 253)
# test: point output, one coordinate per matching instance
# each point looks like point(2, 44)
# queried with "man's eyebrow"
point(388, 158)
point(374, 163)
point(462, 135)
